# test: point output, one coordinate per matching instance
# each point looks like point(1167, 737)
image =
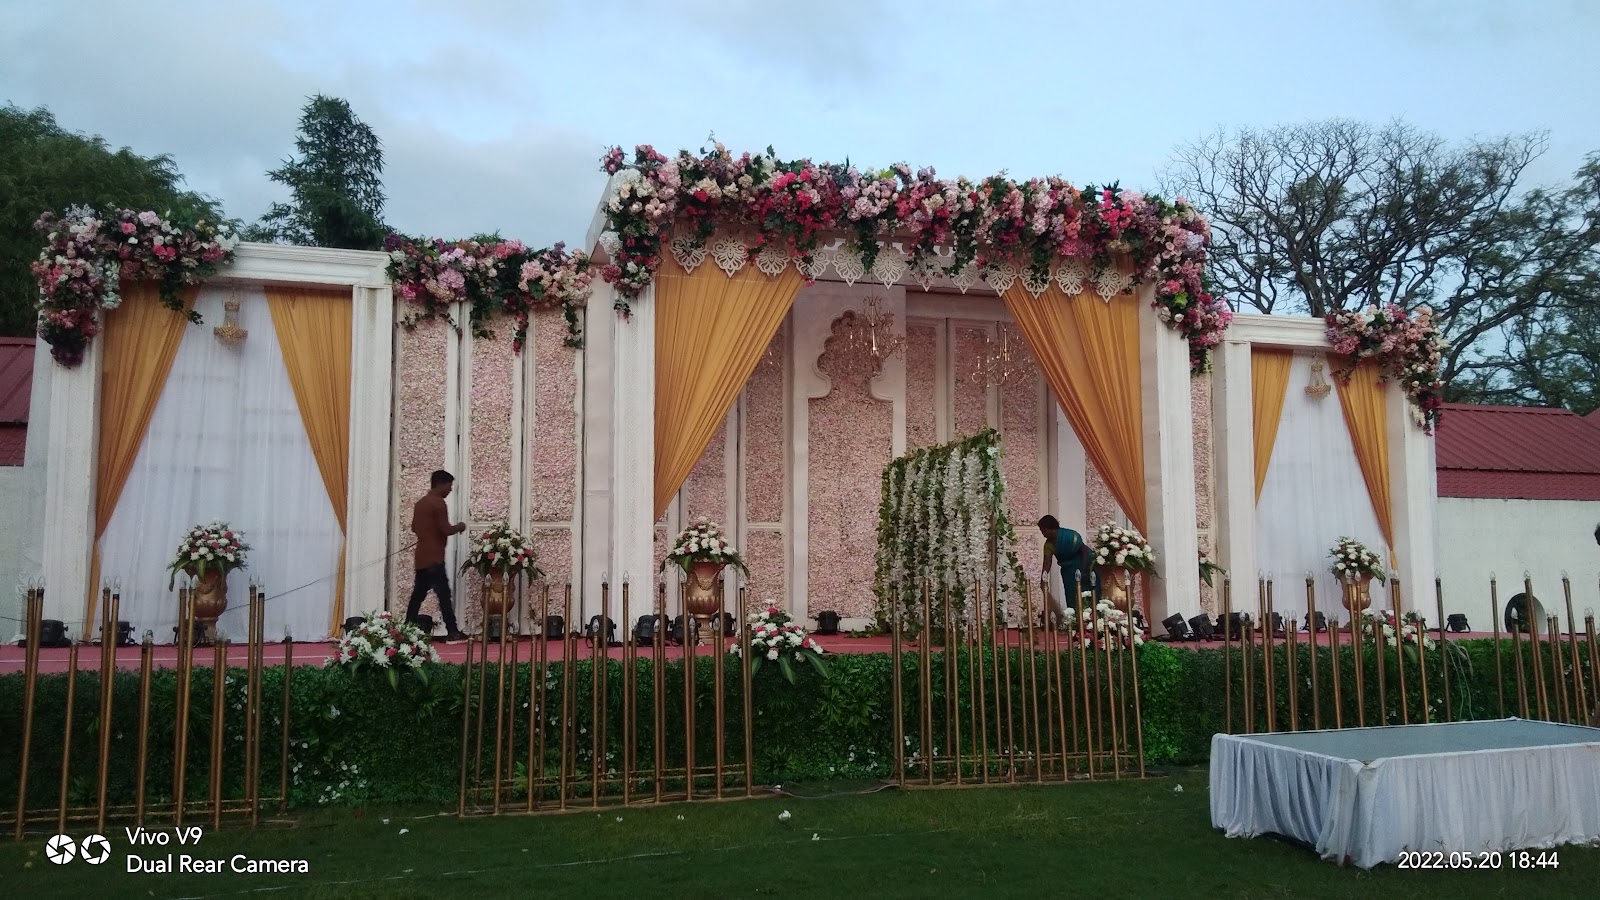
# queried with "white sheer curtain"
point(1313, 495)
point(226, 442)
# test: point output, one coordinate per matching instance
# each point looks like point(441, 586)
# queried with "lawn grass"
point(1114, 839)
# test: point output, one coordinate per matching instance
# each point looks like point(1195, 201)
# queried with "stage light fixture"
point(53, 633)
point(827, 622)
point(352, 623)
point(1237, 623)
point(555, 628)
point(644, 631)
point(1277, 623)
point(1177, 628)
point(1202, 628)
point(1321, 620)
point(602, 625)
point(1457, 622)
point(124, 636)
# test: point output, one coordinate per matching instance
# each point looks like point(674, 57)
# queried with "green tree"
point(1339, 215)
point(336, 183)
point(47, 168)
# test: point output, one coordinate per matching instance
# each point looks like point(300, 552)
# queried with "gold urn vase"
point(700, 597)
point(1114, 583)
point(210, 598)
point(496, 593)
point(1357, 597)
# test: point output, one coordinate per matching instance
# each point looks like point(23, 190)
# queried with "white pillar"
point(366, 537)
point(633, 449)
point(70, 487)
point(595, 420)
point(1413, 498)
point(1233, 447)
point(1169, 489)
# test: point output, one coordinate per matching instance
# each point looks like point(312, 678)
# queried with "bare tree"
point(1337, 215)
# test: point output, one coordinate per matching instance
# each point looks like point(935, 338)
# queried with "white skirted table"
point(1368, 795)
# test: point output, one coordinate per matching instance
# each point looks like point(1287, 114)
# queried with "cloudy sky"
point(494, 112)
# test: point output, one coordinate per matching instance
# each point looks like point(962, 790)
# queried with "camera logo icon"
point(60, 850)
point(95, 849)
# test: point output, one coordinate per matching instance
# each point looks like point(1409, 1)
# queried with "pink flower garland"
point(1408, 346)
point(791, 204)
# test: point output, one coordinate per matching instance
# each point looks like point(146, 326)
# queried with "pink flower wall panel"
point(489, 428)
point(419, 445)
point(1100, 507)
point(766, 437)
point(553, 443)
point(851, 437)
point(922, 376)
point(971, 399)
point(765, 554)
point(705, 491)
point(1020, 439)
point(1205, 503)
point(554, 549)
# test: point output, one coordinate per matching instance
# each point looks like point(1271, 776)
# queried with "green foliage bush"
point(355, 740)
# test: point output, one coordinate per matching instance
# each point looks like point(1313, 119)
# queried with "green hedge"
point(356, 740)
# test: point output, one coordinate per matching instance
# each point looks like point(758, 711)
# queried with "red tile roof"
point(1517, 452)
point(16, 379)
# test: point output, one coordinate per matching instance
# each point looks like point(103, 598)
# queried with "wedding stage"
point(1369, 796)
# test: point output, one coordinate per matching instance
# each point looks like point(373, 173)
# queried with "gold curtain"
point(139, 343)
point(1269, 384)
point(314, 332)
point(1088, 350)
point(710, 333)
point(1365, 405)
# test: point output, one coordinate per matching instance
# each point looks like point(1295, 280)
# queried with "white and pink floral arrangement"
point(1102, 622)
point(776, 638)
point(216, 547)
point(494, 277)
point(1123, 548)
point(87, 257)
point(501, 548)
point(703, 541)
point(1406, 345)
point(1352, 559)
point(383, 642)
point(791, 205)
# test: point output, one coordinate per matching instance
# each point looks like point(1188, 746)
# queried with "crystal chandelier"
point(872, 331)
point(999, 365)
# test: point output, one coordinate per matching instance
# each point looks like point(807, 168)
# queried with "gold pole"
point(1111, 694)
point(250, 687)
point(1522, 684)
point(952, 711)
point(749, 700)
point(1269, 662)
point(1499, 664)
point(34, 616)
point(659, 662)
point(499, 696)
point(288, 677)
point(1560, 684)
point(1579, 699)
point(1002, 632)
point(219, 682)
point(66, 739)
point(466, 727)
point(1533, 645)
point(1072, 682)
point(1138, 707)
point(142, 757)
point(1247, 678)
point(1395, 593)
point(1334, 652)
point(185, 690)
point(508, 774)
point(1379, 652)
point(483, 706)
point(1358, 640)
point(1227, 654)
point(597, 675)
point(896, 679)
point(1059, 710)
point(629, 728)
point(1444, 650)
point(1033, 686)
point(718, 705)
point(1316, 656)
point(970, 642)
point(568, 694)
point(980, 687)
point(538, 686)
point(691, 642)
point(1291, 658)
point(108, 674)
point(1091, 737)
point(1422, 665)
point(1594, 662)
point(925, 679)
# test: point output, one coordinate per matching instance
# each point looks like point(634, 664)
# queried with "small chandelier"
point(1318, 388)
point(229, 331)
point(872, 331)
point(999, 365)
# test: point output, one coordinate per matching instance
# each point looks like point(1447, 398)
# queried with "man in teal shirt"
point(1071, 553)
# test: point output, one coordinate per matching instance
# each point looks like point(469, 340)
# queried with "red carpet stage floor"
point(55, 659)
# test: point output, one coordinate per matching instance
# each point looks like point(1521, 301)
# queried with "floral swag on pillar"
point(942, 522)
point(1407, 347)
point(87, 257)
point(899, 223)
point(702, 551)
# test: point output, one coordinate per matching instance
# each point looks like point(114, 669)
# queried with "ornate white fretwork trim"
point(892, 266)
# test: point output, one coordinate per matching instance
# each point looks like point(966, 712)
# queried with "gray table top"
point(1369, 744)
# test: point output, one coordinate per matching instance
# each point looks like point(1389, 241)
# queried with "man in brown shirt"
point(430, 522)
